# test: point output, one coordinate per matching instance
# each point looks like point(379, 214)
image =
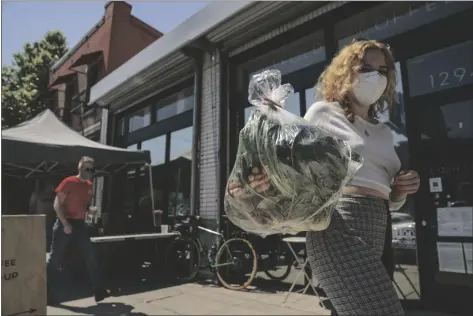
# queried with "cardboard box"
point(23, 265)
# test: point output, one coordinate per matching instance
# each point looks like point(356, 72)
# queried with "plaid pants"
point(346, 259)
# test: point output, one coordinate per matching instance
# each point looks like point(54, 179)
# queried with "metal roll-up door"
point(151, 80)
point(318, 9)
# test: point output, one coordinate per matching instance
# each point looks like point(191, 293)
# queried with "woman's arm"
point(330, 117)
point(405, 183)
point(396, 200)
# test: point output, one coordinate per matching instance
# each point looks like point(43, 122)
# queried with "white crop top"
point(374, 142)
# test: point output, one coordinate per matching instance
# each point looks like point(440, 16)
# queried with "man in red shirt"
point(73, 196)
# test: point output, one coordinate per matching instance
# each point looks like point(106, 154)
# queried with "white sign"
point(435, 185)
point(450, 257)
point(23, 265)
point(455, 221)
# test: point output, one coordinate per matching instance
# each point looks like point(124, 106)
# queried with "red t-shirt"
point(78, 195)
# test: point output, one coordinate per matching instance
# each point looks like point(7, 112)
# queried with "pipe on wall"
point(195, 176)
point(222, 140)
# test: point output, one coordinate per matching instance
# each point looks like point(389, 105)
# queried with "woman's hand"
point(258, 180)
point(405, 183)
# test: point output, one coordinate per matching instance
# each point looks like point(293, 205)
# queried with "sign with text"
point(23, 265)
point(441, 70)
point(394, 18)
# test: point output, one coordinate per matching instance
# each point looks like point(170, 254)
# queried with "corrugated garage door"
point(316, 10)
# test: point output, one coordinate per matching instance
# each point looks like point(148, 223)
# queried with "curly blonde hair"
point(339, 78)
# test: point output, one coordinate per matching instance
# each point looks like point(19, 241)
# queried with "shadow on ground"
point(127, 283)
point(103, 309)
point(261, 285)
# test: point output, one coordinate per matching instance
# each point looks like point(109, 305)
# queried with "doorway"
point(440, 103)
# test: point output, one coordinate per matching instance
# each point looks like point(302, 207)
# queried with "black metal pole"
point(195, 176)
point(223, 132)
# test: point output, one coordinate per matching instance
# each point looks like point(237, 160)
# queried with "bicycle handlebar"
point(186, 223)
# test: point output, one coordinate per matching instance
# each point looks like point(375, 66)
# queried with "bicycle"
point(231, 262)
point(277, 259)
point(274, 257)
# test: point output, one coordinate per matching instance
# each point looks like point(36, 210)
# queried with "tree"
point(25, 83)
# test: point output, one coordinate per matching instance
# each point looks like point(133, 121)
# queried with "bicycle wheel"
point(236, 263)
point(182, 259)
point(278, 263)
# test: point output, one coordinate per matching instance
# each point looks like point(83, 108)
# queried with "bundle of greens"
point(307, 167)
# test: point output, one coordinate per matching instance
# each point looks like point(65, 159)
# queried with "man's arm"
point(59, 203)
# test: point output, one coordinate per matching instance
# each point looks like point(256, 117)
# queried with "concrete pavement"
point(195, 299)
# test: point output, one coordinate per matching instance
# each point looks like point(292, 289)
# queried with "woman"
point(346, 257)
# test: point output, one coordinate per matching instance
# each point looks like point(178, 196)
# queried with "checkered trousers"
point(346, 259)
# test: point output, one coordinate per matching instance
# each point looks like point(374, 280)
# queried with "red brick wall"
point(129, 36)
point(120, 37)
point(99, 40)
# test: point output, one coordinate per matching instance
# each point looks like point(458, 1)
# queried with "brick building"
point(116, 38)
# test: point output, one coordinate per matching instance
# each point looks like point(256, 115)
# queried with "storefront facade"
point(199, 104)
point(432, 126)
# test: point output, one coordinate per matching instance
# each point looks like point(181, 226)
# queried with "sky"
point(29, 21)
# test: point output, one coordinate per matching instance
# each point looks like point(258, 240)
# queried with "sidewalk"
point(196, 299)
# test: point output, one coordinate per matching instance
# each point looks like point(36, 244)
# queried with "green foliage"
point(25, 83)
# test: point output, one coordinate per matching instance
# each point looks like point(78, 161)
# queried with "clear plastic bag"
point(307, 167)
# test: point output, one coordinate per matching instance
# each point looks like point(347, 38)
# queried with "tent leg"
point(150, 171)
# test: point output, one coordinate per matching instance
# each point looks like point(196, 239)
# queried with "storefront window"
point(157, 149)
point(180, 176)
point(449, 121)
point(175, 104)
point(181, 106)
point(181, 144)
point(395, 18)
point(170, 175)
point(304, 52)
point(443, 69)
point(292, 105)
point(139, 119)
point(132, 147)
point(311, 97)
point(395, 118)
point(298, 62)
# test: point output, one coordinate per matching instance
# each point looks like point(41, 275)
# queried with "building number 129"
point(444, 78)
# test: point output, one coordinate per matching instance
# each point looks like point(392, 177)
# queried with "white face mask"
point(370, 88)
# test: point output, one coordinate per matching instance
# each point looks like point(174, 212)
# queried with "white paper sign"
point(450, 256)
point(469, 257)
point(435, 185)
point(455, 221)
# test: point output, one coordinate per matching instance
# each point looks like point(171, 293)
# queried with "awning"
point(63, 79)
point(87, 58)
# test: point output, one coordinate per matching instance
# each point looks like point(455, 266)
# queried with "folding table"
point(302, 264)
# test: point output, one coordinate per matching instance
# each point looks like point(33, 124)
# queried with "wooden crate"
point(23, 265)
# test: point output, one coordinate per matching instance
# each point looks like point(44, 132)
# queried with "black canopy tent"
point(45, 145)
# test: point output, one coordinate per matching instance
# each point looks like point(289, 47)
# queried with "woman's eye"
point(366, 69)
